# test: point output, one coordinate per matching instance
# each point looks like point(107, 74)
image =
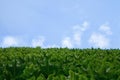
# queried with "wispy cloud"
point(96, 39)
point(9, 41)
point(77, 38)
point(99, 40)
point(38, 41)
point(106, 29)
point(52, 46)
point(78, 30)
point(67, 42)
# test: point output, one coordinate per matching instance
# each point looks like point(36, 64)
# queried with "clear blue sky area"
point(60, 23)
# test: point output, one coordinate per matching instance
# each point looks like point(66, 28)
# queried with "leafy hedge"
point(25, 63)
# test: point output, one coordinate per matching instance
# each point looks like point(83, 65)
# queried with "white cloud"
point(99, 40)
point(77, 38)
point(38, 42)
point(85, 25)
point(66, 42)
point(77, 34)
point(81, 28)
point(105, 28)
point(78, 31)
point(52, 46)
point(9, 41)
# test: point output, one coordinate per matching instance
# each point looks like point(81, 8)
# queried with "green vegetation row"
point(25, 63)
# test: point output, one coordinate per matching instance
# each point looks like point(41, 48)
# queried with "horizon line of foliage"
point(25, 63)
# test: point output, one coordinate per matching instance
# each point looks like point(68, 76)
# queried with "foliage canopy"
point(25, 63)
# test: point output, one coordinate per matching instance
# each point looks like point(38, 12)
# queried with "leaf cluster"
point(25, 63)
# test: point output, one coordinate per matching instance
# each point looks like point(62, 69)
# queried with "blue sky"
point(60, 23)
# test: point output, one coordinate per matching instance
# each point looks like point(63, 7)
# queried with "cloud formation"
point(78, 31)
point(38, 42)
point(99, 40)
point(67, 42)
point(52, 46)
point(9, 41)
point(80, 28)
point(106, 29)
point(76, 36)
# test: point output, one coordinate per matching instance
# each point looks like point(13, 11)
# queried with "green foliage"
point(25, 63)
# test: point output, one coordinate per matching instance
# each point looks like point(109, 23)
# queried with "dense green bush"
point(25, 63)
